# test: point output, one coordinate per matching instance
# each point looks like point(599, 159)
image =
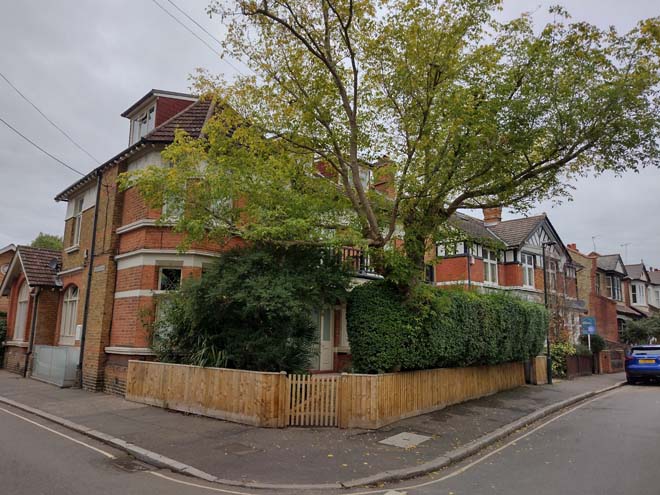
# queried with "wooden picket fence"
point(345, 401)
point(312, 400)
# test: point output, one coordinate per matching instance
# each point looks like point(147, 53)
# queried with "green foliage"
point(582, 350)
point(439, 328)
point(469, 111)
point(47, 241)
point(558, 352)
point(642, 331)
point(252, 310)
point(597, 342)
point(3, 334)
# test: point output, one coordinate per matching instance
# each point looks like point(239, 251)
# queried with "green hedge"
point(439, 328)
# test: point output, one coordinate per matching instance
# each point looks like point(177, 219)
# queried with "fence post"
point(283, 401)
point(343, 401)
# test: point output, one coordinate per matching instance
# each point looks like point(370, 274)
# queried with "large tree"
point(454, 108)
point(47, 241)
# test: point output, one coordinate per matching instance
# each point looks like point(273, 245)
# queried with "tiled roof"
point(191, 120)
point(472, 226)
point(515, 232)
point(35, 263)
point(654, 276)
point(510, 232)
point(635, 271)
point(622, 308)
point(608, 262)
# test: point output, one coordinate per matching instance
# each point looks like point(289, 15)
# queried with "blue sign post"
point(588, 327)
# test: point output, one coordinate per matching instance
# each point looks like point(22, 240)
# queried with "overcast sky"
point(83, 62)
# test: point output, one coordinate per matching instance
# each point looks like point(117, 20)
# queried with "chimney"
point(492, 216)
point(573, 247)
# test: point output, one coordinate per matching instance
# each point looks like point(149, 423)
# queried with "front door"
point(326, 332)
point(323, 358)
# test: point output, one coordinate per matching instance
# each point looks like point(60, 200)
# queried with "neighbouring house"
point(6, 254)
point(654, 290)
point(604, 283)
point(640, 292)
point(508, 255)
point(33, 288)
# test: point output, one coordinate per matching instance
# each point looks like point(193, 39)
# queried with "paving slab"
point(292, 455)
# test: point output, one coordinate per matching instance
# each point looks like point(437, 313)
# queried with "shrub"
point(436, 328)
point(558, 352)
point(642, 331)
point(252, 310)
point(597, 342)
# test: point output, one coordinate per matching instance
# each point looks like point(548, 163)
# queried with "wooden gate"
point(312, 400)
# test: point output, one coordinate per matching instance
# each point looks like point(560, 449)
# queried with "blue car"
point(643, 363)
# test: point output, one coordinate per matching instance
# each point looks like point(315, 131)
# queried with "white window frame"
point(77, 221)
point(527, 262)
point(552, 275)
point(160, 277)
point(490, 261)
point(143, 124)
point(637, 294)
point(614, 287)
point(22, 304)
point(69, 315)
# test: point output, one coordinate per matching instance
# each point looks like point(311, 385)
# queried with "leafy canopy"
point(448, 108)
point(47, 241)
point(642, 331)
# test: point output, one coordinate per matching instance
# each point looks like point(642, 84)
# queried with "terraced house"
point(522, 256)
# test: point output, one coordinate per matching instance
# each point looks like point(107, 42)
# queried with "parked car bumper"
point(643, 373)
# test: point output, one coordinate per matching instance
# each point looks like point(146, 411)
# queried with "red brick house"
point(33, 289)
point(605, 285)
point(6, 254)
point(490, 254)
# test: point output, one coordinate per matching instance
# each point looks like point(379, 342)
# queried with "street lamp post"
point(545, 298)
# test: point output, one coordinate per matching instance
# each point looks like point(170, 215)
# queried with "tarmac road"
point(607, 446)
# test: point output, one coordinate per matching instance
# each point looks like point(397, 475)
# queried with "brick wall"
point(14, 359)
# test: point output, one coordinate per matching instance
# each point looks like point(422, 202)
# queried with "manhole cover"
point(405, 440)
point(130, 465)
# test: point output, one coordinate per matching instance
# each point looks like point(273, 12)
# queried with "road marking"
point(107, 454)
point(196, 485)
point(406, 489)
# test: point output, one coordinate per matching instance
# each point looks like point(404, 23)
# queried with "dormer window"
point(143, 124)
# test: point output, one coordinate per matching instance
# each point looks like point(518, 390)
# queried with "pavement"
point(302, 456)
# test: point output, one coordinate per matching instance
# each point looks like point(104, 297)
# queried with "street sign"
point(588, 325)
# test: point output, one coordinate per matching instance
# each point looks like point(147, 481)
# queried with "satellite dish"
point(54, 264)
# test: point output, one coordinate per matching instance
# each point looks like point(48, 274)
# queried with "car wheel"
point(631, 381)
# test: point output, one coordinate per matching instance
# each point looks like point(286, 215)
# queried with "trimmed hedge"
point(439, 328)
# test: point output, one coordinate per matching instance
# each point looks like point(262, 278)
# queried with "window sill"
point(72, 249)
point(16, 343)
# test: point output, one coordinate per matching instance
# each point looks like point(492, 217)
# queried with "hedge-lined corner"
point(440, 328)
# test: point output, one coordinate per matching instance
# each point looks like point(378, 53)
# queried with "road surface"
point(606, 446)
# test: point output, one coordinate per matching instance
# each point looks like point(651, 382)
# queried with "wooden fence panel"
point(312, 400)
point(278, 400)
